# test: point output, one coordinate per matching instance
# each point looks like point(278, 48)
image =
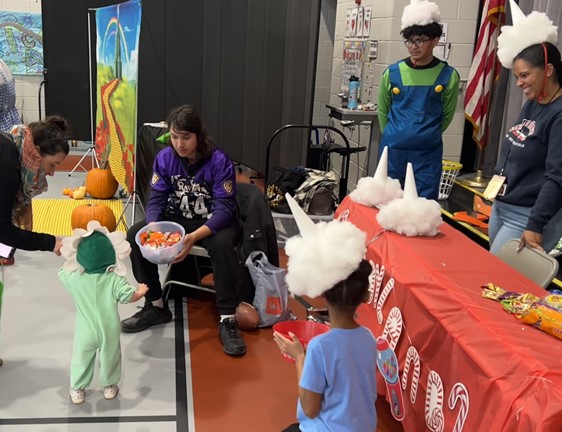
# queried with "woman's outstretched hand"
point(58, 245)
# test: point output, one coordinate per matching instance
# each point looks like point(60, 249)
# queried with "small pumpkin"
point(66, 191)
point(100, 183)
point(79, 193)
point(83, 214)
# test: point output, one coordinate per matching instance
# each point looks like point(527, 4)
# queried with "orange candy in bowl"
point(160, 242)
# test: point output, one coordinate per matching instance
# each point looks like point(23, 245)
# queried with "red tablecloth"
point(477, 363)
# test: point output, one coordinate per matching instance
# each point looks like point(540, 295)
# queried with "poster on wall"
point(21, 42)
point(367, 22)
point(353, 28)
point(118, 30)
point(359, 32)
point(353, 57)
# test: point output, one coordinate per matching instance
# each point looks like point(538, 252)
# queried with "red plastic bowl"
point(303, 330)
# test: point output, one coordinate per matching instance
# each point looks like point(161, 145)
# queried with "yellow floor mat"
point(52, 216)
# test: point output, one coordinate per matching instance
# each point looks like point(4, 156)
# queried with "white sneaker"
point(110, 392)
point(77, 396)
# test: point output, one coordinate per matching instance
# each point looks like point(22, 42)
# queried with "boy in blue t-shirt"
point(337, 374)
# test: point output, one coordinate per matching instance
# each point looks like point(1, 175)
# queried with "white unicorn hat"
point(528, 30)
point(420, 12)
point(382, 168)
point(411, 215)
point(410, 191)
point(378, 190)
point(323, 254)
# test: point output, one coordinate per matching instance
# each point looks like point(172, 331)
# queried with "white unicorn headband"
point(528, 30)
point(323, 254)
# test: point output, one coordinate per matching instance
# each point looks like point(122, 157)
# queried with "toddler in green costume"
point(94, 275)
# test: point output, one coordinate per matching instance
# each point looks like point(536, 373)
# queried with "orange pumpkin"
point(83, 214)
point(100, 183)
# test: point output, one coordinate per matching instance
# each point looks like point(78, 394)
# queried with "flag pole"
point(478, 180)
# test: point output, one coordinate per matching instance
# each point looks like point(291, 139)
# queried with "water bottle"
point(353, 92)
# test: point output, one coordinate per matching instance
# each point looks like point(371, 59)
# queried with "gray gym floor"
point(36, 332)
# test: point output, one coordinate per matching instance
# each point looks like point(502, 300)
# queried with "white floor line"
point(188, 377)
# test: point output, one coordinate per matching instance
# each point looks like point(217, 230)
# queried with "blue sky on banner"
point(120, 21)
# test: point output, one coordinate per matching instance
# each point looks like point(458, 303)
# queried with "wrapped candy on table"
point(553, 300)
point(544, 318)
point(544, 313)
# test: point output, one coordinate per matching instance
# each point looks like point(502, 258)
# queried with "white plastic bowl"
point(163, 255)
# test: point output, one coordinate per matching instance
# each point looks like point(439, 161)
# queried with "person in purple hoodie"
point(194, 184)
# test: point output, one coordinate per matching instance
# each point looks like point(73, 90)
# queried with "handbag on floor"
point(272, 293)
point(280, 182)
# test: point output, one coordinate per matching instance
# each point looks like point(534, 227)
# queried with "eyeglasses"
point(418, 42)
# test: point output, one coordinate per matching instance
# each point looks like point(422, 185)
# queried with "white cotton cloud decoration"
point(411, 215)
point(420, 12)
point(378, 190)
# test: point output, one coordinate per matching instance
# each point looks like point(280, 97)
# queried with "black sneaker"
point(148, 316)
point(232, 342)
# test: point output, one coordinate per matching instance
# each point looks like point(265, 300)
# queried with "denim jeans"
point(508, 221)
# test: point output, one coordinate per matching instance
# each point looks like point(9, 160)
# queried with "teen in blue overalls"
point(417, 100)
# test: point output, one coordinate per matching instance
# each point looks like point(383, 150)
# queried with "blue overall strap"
point(394, 75)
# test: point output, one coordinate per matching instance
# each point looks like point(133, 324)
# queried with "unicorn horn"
point(410, 191)
point(517, 14)
point(382, 168)
point(305, 224)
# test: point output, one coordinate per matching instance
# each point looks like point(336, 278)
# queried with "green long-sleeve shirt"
point(420, 76)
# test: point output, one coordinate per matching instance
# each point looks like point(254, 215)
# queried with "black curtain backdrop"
point(248, 65)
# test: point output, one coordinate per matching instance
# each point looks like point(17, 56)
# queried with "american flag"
point(484, 70)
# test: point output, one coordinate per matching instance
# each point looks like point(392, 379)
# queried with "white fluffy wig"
point(420, 12)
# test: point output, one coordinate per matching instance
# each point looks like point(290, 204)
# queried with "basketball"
point(246, 316)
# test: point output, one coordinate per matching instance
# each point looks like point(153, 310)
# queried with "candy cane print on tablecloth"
point(393, 327)
point(343, 216)
point(375, 282)
point(434, 418)
point(459, 393)
point(372, 277)
point(412, 357)
point(382, 299)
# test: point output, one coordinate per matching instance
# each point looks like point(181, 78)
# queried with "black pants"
point(221, 247)
point(293, 428)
